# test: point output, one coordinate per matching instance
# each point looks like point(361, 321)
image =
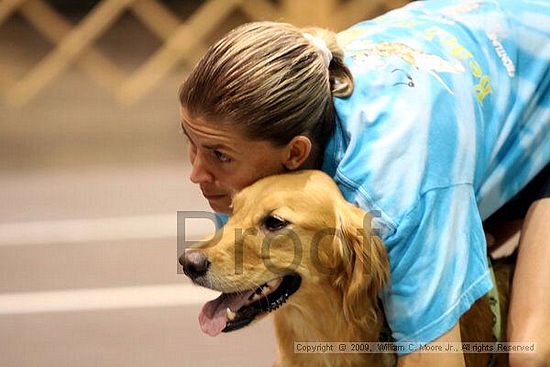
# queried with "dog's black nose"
point(194, 263)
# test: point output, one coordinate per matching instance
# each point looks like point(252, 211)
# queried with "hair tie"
point(322, 46)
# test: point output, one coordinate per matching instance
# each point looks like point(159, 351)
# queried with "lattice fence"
point(182, 39)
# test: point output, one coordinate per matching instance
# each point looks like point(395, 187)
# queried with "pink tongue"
point(213, 316)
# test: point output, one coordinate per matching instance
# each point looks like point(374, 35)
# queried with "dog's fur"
point(343, 266)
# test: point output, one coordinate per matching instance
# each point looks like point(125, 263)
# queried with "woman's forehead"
point(203, 129)
point(219, 135)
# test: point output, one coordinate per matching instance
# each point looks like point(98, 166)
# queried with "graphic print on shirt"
point(377, 55)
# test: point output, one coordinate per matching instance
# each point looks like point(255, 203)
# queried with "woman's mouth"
point(213, 197)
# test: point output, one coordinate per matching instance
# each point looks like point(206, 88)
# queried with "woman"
point(434, 116)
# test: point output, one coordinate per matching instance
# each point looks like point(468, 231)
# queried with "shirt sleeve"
point(438, 265)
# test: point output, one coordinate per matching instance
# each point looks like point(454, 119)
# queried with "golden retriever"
point(295, 245)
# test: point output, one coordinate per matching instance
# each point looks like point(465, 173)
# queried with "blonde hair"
point(272, 81)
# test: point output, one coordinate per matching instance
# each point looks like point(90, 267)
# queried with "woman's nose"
point(199, 173)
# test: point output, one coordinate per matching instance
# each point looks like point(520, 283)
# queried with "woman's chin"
point(219, 206)
point(221, 210)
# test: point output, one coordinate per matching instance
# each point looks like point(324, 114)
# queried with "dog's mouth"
point(233, 311)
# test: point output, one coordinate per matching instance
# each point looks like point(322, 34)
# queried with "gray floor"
point(89, 191)
point(60, 327)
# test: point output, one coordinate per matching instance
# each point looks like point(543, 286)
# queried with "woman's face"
point(224, 161)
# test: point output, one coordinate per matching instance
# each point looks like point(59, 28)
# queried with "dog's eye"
point(274, 223)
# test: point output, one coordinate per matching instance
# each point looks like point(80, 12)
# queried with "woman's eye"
point(221, 157)
point(274, 223)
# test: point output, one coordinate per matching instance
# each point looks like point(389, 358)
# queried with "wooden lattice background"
point(183, 37)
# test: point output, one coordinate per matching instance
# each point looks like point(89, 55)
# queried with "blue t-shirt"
point(449, 118)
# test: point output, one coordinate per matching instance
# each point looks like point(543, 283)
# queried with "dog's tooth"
point(230, 314)
point(272, 283)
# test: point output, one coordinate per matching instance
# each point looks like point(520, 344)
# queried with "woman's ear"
point(297, 152)
point(365, 265)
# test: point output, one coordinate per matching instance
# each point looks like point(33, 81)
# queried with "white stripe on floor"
point(101, 229)
point(104, 299)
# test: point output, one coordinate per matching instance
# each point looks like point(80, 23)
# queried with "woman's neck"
point(314, 161)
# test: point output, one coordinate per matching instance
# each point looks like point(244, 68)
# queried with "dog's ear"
point(364, 265)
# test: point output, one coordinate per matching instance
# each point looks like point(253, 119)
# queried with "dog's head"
point(290, 236)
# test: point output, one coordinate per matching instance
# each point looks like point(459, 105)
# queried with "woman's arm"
point(528, 319)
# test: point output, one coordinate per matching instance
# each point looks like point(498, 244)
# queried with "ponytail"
point(340, 78)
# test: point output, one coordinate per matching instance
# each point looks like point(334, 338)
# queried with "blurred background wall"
point(93, 170)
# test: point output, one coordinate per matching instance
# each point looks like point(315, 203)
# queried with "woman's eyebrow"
point(214, 146)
